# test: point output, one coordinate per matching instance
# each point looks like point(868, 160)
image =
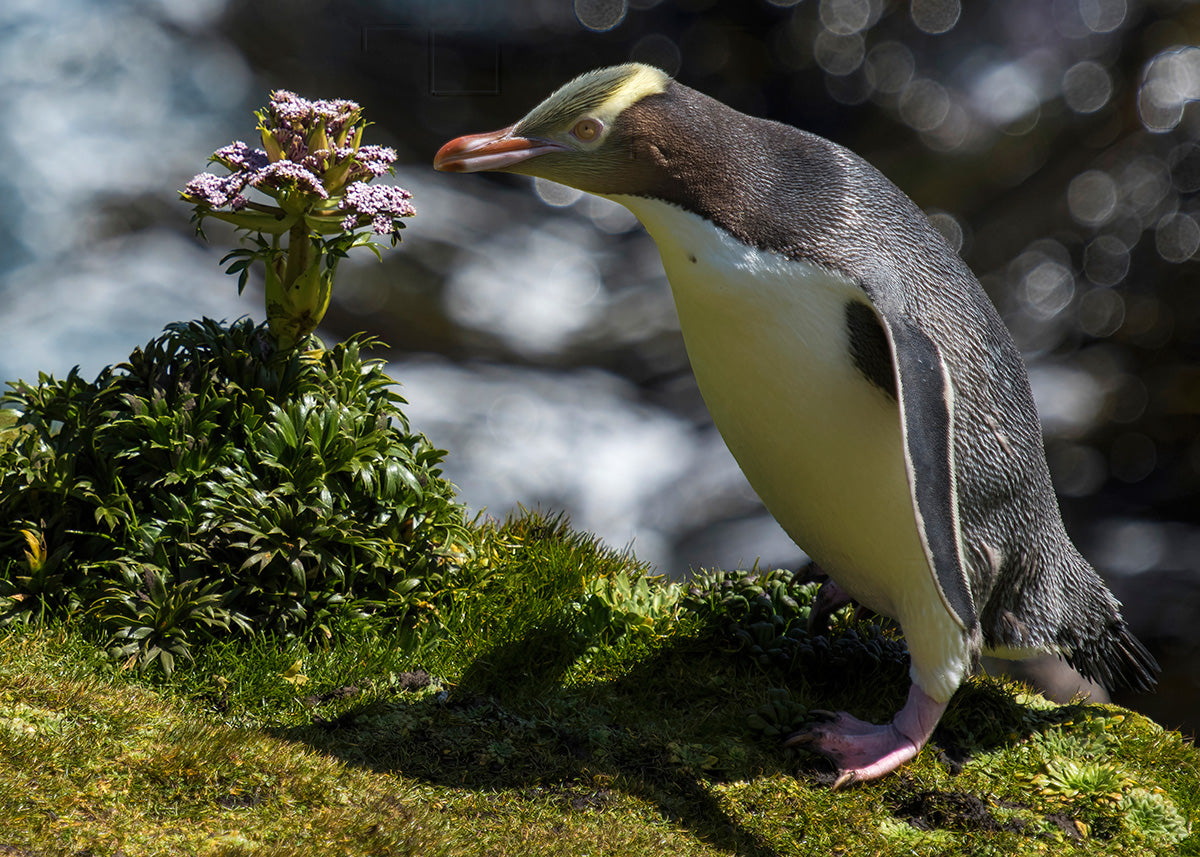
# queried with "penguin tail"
point(1062, 606)
point(1094, 637)
point(1113, 657)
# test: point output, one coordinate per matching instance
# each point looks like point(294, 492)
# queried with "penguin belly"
point(822, 446)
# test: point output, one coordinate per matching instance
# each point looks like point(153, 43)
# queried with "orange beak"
point(494, 150)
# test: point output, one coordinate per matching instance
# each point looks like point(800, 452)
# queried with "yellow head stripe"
point(602, 94)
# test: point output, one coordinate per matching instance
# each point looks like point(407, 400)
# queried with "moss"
point(655, 733)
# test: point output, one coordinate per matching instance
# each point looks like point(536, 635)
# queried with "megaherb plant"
point(236, 478)
point(314, 173)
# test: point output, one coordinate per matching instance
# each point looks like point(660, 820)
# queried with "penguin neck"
point(771, 186)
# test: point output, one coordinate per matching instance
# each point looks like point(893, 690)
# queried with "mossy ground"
point(528, 718)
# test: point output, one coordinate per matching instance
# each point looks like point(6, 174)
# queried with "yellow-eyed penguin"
point(857, 371)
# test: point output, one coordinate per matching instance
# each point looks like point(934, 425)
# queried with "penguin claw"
point(847, 778)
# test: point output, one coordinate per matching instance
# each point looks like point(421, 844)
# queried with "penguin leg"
point(864, 751)
point(829, 599)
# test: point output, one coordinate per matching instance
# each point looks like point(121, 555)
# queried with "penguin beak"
point(494, 150)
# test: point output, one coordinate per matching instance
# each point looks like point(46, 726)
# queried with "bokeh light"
point(1101, 312)
point(659, 51)
point(1006, 95)
point(935, 16)
point(1102, 16)
point(1086, 86)
point(1092, 197)
point(950, 228)
point(849, 17)
point(838, 54)
point(600, 15)
point(1131, 546)
point(889, 66)
point(608, 216)
point(1145, 188)
point(1106, 260)
point(1170, 81)
point(924, 104)
point(554, 194)
point(1177, 237)
point(1048, 288)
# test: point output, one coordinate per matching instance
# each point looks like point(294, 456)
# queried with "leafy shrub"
point(214, 483)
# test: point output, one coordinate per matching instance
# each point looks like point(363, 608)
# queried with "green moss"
point(658, 732)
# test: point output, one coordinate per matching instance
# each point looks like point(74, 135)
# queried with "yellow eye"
point(587, 129)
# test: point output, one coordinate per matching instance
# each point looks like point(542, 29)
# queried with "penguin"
point(860, 376)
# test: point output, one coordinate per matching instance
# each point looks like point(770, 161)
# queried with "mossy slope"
point(563, 705)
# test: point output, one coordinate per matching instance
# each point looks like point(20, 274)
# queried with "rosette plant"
point(304, 201)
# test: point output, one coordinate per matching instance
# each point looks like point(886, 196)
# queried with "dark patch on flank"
point(869, 347)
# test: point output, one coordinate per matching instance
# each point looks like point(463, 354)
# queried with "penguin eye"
point(587, 129)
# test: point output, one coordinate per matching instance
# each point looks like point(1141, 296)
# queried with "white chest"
point(768, 342)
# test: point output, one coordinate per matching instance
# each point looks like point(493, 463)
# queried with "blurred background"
point(1054, 142)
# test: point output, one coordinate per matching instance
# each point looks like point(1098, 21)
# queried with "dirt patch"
point(415, 680)
point(242, 799)
point(596, 800)
point(960, 811)
point(1068, 825)
point(16, 851)
point(347, 692)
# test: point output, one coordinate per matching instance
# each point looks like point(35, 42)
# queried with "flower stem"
point(297, 255)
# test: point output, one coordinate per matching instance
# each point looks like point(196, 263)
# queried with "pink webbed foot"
point(864, 751)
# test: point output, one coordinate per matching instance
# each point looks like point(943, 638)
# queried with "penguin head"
point(582, 135)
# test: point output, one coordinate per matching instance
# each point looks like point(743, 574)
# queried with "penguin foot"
point(865, 751)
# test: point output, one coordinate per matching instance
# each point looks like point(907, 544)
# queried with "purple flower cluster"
point(288, 109)
point(292, 122)
point(381, 204)
point(282, 174)
point(314, 172)
point(239, 156)
point(217, 191)
point(375, 160)
point(312, 163)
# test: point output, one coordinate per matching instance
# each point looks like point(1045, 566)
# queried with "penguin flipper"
point(925, 393)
